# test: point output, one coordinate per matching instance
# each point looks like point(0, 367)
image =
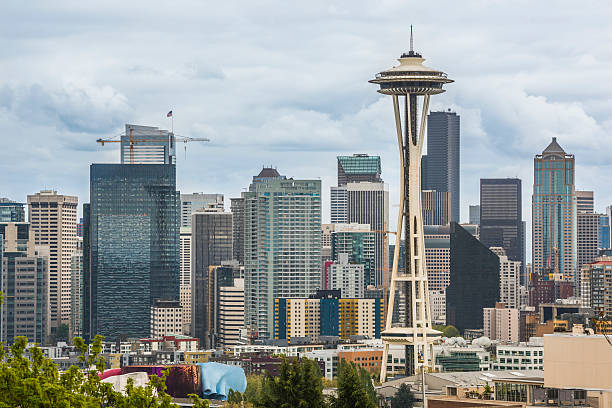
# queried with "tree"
point(36, 382)
point(403, 398)
point(299, 385)
point(355, 390)
point(450, 331)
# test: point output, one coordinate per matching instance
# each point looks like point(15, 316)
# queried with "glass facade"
point(358, 167)
point(603, 233)
point(11, 211)
point(360, 248)
point(474, 280)
point(133, 228)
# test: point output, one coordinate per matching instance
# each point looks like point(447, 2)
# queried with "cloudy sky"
point(285, 84)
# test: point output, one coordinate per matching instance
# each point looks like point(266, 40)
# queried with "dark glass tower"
point(440, 168)
point(133, 229)
point(357, 168)
point(211, 244)
point(474, 280)
point(501, 220)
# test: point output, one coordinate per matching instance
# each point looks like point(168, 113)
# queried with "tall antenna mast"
point(411, 41)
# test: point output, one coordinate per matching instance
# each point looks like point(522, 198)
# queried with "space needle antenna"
point(411, 40)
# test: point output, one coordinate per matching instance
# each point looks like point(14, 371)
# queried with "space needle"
point(410, 84)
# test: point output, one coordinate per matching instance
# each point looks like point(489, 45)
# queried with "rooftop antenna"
point(411, 41)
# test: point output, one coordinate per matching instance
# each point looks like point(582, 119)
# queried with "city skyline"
point(56, 105)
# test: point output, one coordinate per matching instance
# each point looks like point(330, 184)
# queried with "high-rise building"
point(326, 241)
point(509, 275)
point(230, 309)
point(436, 207)
point(501, 220)
point(147, 145)
point(11, 211)
point(191, 203)
point(185, 280)
point(346, 277)
point(585, 201)
point(282, 246)
point(166, 318)
point(211, 244)
point(474, 280)
point(474, 217)
point(437, 256)
point(437, 300)
point(501, 323)
point(352, 169)
point(368, 203)
point(554, 217)
point(359, 243)
point(443, 157)
point(237, 210)
point(53, 218)
point(131, 247)
point(596, 291)
point(76, 297)
point(24, 283)
point(603, 232)
point(587, 228)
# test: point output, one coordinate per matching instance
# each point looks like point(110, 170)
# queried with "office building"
point(191, 203)
point(554, 217)
point(359, 243)
point(237, 210)
point(53, 218)
point(437, 301)
point(587, 231)
point(520, 357)
point(282, 246)
point(596, 291)
point(603, 232)
point(437, 256)
point(509, 275)
point(501, 220)
point(326, 242)
point(76, 297)
point(346, 277)
point(11, 211)
point(474, 280)
point(131, 247)
point(211, 244)
point(326, 313)
point(24, 283)
point(185, 277)
point(352, 169)
point(147, 145)
point(585, 201)
point(230, 314)
point(474, 217)
point(368, 203)
point(440, 167)
point(266, 174)
point(166, 318)
point(436, 207)
point(501, 323)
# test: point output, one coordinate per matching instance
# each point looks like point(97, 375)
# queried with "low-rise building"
point(524, 356)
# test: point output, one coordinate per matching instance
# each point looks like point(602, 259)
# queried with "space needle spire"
point(411, 84)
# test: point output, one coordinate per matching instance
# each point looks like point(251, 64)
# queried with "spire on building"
point(553, 148)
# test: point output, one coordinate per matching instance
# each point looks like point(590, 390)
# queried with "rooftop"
point(554, 148)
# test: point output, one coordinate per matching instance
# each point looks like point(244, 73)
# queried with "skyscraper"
point(474, 280)
point(509, 275)
point(191, 203)
point(603, 235)
point(211, 245)
point(554, 216)
point(368, 203)
point(147, 145)
point(24, 282)
point(359, 245)
point(436, 207)
point(76, 295)
point(132, 228)
point(501, 220)
point(587, 232)
point(282, 246)
point(352, 169)
point(237, 210)
point(53, 218)
point(11, 211)
point(474, 217)
point(443, 157)
point(185, 281)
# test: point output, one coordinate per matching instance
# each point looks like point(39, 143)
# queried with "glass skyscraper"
point(10, 211)
point(282, 246)
point(554, 213)
point(474, 280)
point(132, 230)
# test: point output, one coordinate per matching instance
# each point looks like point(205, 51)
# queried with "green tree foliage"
point(62, 332)
point(403, 398)
point(447, 331)
point(355, 389)
point(299, 385)
point(36, 382)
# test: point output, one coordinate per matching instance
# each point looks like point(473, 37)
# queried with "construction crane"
point(135, 140)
